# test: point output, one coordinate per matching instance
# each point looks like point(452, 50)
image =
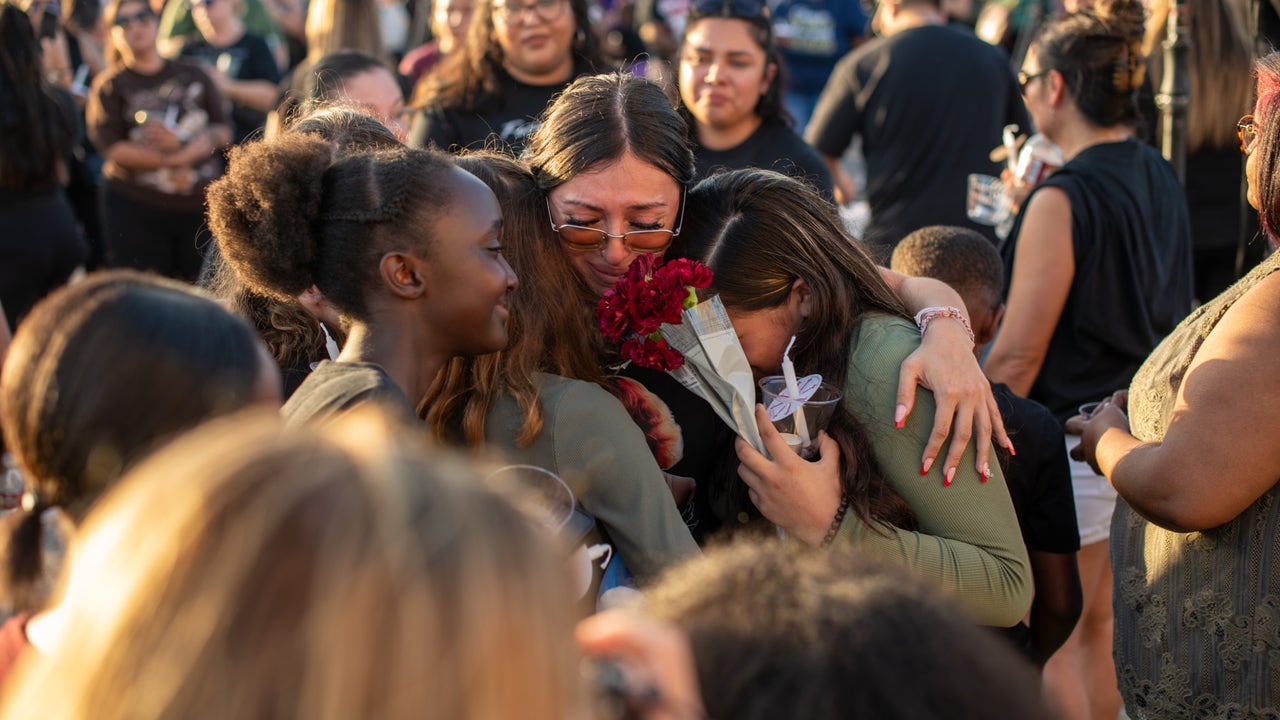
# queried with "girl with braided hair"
point(1099, 268)
point(403, 243)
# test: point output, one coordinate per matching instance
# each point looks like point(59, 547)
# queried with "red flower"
point(650, 353)
point(647, 296)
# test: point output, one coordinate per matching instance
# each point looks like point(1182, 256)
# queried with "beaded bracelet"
point(836, 521)
point(929, 314)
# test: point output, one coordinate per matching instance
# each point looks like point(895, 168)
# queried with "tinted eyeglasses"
point(1024, 79)
point(1247, 133)
point(578, 237)
point(546, 10)
point(126, 21)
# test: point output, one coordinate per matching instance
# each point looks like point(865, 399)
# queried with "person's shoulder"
point(882, 340)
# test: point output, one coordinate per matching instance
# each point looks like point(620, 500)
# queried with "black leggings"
point(146, 237)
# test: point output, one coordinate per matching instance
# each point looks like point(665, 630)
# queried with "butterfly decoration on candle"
point(785, 404)
point(650, 294)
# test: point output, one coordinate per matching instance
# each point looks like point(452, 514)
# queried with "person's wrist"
point(927, 317)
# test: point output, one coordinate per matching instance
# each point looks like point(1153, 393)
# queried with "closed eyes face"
point(618, 197)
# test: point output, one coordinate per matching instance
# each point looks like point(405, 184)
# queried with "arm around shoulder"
point(969, 539)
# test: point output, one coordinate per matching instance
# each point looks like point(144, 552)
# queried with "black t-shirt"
point(1039, 476)
point(248, 58)
point(929, 104)
point(501, 121)
point(773, 146)
point(1131, 239)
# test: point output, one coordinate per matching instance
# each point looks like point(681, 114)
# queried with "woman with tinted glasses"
point(159, 125)
point(613, 156)
point(518, 55)
point(731, 90)
point(1099, 268)
point(1196, 463)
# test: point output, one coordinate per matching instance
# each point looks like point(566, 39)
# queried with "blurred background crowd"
point(392, 222)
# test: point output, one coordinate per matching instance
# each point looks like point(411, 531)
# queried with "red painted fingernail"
point(946, 481)
point(924, 469)
point(951, 474)
point(1011, 450)
point(986, 472)
point(899, 416)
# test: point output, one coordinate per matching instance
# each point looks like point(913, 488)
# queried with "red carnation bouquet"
point(650, 294)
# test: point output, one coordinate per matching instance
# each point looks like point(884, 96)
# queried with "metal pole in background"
point(1175, 88)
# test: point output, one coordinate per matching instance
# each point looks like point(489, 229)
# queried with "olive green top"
point(969, 539)
point(591, 442)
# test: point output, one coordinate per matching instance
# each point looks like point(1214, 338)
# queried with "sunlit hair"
point(1099, 53)
point(598, 119)
point(1218, 63)
point(1267, 148)
point(100, 374)
point(552, 324)
point(250, 571)
point(326, 78)
point(295, 211)
point(292, 335)
point(759, 231)
point(468, 78)
point(781, 631)
point(334, 25)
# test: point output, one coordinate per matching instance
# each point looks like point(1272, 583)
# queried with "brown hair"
point(250, 571)
point(1099, 53)
point(103, 372)
point(467, 77)
point(551, 327)
point(598, 119)
point(783, 631)
point(759, 231)
point(295, 211)
point(1218, 59)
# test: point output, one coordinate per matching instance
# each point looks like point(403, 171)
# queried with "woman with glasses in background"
point(519, 54)
point(731, 93)
point(613, 160)
point(1195, 462)
point(159, 125)
point(1099, 268)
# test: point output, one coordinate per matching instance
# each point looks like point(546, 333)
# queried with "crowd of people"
point(312, 406)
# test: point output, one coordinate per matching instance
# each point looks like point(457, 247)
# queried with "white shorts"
point(1095, 499)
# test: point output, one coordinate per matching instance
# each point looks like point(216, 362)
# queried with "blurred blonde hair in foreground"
point(248, 571)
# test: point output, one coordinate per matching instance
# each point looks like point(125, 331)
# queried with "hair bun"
point(263, 212)
point(1124, 19)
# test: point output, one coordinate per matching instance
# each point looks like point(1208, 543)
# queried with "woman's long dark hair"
point(34, 130)
point(759, 232)
point(468, 79)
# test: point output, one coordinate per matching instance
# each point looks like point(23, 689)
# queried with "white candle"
point(793, 389)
